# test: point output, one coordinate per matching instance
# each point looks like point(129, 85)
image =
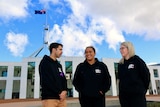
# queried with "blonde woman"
point(134, 77)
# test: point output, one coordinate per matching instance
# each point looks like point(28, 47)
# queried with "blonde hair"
point(130, 48)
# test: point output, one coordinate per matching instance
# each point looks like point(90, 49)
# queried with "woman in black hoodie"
point(134, 78)
point(92, 80)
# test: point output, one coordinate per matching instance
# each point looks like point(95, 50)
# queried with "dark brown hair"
point(90, 47)
point(54, 45)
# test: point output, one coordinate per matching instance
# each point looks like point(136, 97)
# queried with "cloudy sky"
point(77, 24)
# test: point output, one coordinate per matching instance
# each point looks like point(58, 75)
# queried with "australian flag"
point(40, 11)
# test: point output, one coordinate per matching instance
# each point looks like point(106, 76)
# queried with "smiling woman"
point(92, 80)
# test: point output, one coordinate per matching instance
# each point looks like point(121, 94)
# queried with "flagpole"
point(46, 29)
point(45, 34)
point(46, 17)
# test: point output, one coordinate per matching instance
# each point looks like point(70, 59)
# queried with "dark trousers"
point(132, 100)
point(92, 101)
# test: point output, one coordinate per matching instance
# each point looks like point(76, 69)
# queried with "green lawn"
point(153, 104)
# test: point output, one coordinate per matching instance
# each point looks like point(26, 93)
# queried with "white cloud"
point(16, 43)
point(82, 29)
point(132, 16)
point(13, 9)
point(46, 3)
point(94, 21)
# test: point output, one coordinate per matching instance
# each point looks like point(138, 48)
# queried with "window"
point(3, 71)
point(155, 71)
point(16, 88)
point(116, 70)
point(116, 75)
point(17, 71)
point(68, 69)
point(68, 66)
point(30, 79)
point(2, 88)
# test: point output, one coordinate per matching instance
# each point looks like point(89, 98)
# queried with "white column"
point(36, 81)
point(113, 78)
point(23, 81)
point(9, 82)
point(110, 65)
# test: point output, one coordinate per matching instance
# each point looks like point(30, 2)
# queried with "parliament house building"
point(20, 80)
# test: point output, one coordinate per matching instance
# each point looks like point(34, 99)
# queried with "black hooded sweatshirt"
point(134, 76)
point(52, 78)
point(89, 80)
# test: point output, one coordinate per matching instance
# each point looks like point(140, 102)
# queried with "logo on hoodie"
point(60, 72)
point(97, 71)
point(130, 66)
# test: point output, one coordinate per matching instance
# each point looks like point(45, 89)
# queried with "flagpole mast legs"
point(45, 35)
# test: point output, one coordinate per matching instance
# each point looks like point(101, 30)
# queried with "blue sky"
point(77, 24)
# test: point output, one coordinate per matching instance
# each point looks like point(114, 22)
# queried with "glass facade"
point(20, 72)
point(116, 74)
point(155, 71)
point(16, 88)
point(2, 88)
point(30, 79)
point(68, 70)
point(158, 87)
point(150, 89)
point(3, 71)
point(17, 71)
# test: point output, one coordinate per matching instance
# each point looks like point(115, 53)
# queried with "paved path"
point(110, 101)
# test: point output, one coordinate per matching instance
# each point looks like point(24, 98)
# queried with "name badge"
point(97, 71)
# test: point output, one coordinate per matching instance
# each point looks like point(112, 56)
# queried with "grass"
point(153, 104)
